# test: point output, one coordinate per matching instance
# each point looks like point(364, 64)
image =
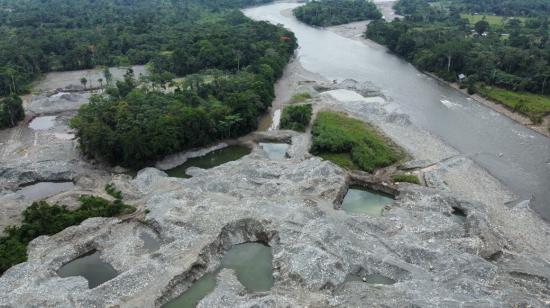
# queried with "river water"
point(516, 155)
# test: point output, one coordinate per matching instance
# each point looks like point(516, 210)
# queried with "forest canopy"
point(336, 12)
point(512, 54)
point(39, 36)
point(230, 64)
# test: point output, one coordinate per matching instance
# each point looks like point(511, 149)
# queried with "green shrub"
point(11, 111)
point(42, 218)
point(406, 178)
point(111, 190)
point(336, 133)
point(296, 117)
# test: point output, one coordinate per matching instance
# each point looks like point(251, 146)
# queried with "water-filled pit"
point(275, 151)
point(41, 190)
point(458, 215)
point(365, 201)
point(42, 123)
point(150, 242)
point(91, 267)
point(210, 160)
point(252, 263)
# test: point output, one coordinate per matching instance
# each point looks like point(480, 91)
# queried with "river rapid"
point(514, 154)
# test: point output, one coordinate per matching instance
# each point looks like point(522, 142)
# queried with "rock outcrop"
point(436, 260)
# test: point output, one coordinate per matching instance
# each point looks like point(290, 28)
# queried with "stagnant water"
point(365, 201)
point(43, 190)
point(210, 160)
point(42, 123)
point(275, 151)
point(470, 127)
point(150, 242)
point(91, 267)
point(252, 263)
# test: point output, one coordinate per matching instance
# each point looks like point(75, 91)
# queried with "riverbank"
point(354, 31)
point(543, 128)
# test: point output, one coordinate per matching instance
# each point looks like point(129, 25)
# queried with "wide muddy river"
point(516, 155)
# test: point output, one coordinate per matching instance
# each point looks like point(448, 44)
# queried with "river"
point(516, 155)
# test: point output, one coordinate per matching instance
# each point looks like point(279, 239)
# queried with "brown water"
point(514, 154)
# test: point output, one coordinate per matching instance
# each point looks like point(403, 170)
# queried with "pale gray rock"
point(290, 205)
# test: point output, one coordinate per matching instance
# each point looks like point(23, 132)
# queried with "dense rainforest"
point(39, 36)
point(506, 59)
point(230, 64)
point(336, 12)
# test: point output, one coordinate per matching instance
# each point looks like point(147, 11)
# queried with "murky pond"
point(275, 150)
point(371, 279)
point(365, 201)
point(43, 190)
point(150, 243)
point(91, 267)
point(210, 160)
point(199, 290)
point(42, 123)
point(252, 263)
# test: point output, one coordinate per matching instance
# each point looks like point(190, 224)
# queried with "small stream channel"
point(252, 263)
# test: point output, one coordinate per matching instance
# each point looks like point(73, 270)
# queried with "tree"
point(11, 111)
point(481, 26)
point(108, 76)
point(84, 81)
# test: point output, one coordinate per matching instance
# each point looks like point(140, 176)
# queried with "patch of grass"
point(492, 20)
point(341, 159)
point(406, 178)
point(533, 105)
point(300, 97)
point(351, 143)
point(42, 218)
point(296, 117)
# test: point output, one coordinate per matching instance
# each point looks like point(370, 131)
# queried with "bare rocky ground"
point(49, 154)
point(496, 257)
